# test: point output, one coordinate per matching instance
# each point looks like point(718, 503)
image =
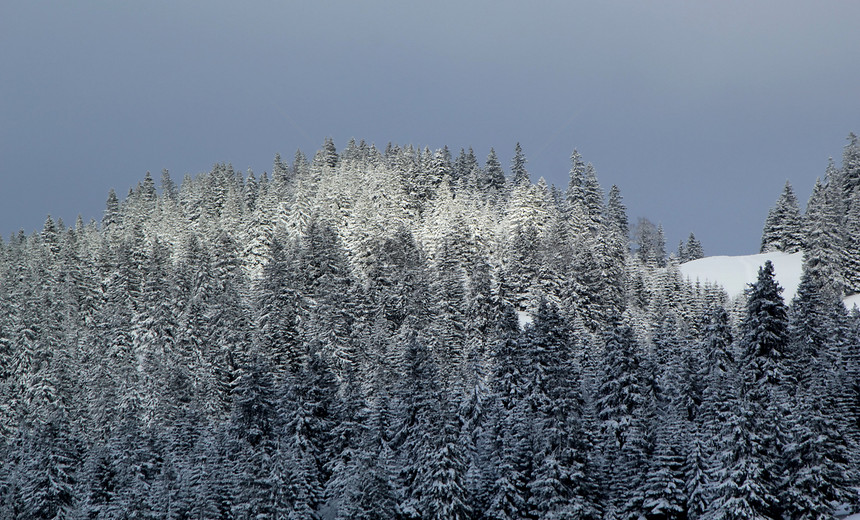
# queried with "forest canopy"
point(406, 333)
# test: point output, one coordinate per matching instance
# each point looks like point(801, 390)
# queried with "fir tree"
point(308, 429)
point(509, 435)
point(694, 248)
point(574, 194)
point(48, 472)
point(851, 245)
point(111, 218)
point(751, 466)
point(168, 188)
point(783, 227)
point(493, 177)
point(445, 496)
point(518, 168)
point(851, 165)
point(718, 368)
point(697, 485)
point(276, 308)
point(665, 493)
point(614, 253)
point(616, 215)
point(650, 242)
point(592, 197)
point(764, 340)
point(682, 252)
point(815, 459)
point(816, 467)
point(743, 486)
point(822, 242)
point(621, 394)
point(330, 153)
point(620, 404)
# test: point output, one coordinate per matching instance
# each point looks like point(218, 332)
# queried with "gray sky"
point(699, 111)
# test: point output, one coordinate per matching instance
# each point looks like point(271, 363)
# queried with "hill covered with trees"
point(342, 339)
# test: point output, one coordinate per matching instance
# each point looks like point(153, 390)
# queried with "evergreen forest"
point(417, 334)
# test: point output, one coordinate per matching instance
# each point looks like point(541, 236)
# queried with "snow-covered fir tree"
point(783, 227)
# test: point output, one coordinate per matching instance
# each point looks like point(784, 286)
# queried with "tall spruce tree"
point(694, 248)
point(851, 165)
point(518, 168)
point(816, 459)
point(851, 245)
point(492, 177)
point(749, 478)
point(744, 487)
point(620, 403)
point(822, 236)
point(783, 227)
point(764, 335)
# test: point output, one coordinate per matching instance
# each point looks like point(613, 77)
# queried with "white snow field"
point(733, 273)
point(851, 302)
point(525, 319)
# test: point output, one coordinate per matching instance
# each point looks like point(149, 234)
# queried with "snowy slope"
point(735, 272)
point(851, 302)
point(525, 319)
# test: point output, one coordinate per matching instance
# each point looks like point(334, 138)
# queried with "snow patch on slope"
point(525, 319)
point(734, 273)
point(850, 303)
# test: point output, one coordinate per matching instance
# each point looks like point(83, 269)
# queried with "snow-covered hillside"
point(733, 273)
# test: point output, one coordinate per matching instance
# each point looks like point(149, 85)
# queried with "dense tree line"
point(405, 334)
point(828, 232)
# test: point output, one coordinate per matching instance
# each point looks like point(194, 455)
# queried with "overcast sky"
point(699, 111)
